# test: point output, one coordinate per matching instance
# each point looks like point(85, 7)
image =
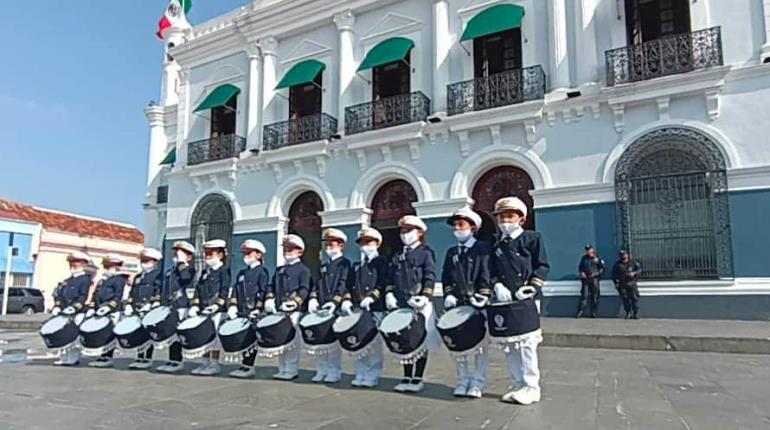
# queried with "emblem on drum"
point(259, 336)
point(309, 334)
point(448, 341)
point(500, 321)
point(352, 341)
point(124, 342)
point(154, 336)
point(395, 346)
point(182, 339)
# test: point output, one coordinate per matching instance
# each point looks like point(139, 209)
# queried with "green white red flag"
point(175, 16)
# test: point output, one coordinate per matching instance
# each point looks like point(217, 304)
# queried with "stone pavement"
point(583, 389)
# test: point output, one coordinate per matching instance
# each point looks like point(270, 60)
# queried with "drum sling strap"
point(406, 275)
point(461, 278)
point(511, 278)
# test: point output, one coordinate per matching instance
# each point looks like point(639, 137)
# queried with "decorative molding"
point(197, 186)
point(465, 145)
point(567, 115)
point(277, 173)
point(414, 150)
point(573, 195)
point(269, 46)
point(392, 24)
point(344, 20)
point(253, 51)
point(341, 217)
point(618, 113)
point(441, 208)
point(530, 129)
point(749, 178)
point(298, 169)
point(596, 110)
point(305, 49)
point(712, 103)
point(361, 155)
point(387, 155)
point(259, 225)
point(551, 115)
point(727, 287)
point(494, 130)
point(320, 162)
point(664, 108)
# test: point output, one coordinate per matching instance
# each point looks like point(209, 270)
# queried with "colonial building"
point(637, 124)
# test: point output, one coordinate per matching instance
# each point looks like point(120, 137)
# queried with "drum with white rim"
point(60, 333)
point(131, 334)
point(197, 335)
point(97, 336)
point(355, 331)
point(514, 323)
point(237, 336)
point(405, 334)
point(463, 329)
point(161, 323)
point(275, 334)
point(317, 328)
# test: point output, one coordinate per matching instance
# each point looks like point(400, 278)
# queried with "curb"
point(659, 343)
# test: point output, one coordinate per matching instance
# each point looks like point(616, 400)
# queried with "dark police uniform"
point(519, 262)
point(249, 291)
point(466, 272)
point(370, 279)
point(143, 289)
point(212, 288)
point(414, 273)
point(627, 286)
point(290, 283)
point(332, 281)
point(591, 270)
point(73, 291)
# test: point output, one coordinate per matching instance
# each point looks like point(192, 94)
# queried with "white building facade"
point(636, 124)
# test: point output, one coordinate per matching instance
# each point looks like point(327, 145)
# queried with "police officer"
point(107, 297)
point(366, 289)
point(143, 289)
point(625, 274)
point(465, 278)
point(173, 293)
point(590, 268)
point(210, 294)
point(325, 295)
point(519, 268)
point(70, 298)
point(288, 292)
point(248, 295)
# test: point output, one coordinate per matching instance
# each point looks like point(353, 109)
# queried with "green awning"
point(170, 158)
point(387, 51)
point(219, 97)
point(302, 73)
point(492, 20)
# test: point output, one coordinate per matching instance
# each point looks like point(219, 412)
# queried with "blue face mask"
point(462, 236)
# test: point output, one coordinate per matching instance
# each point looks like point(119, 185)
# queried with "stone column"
point(347, 67)
point(269, 47)
point(158, 142)
point(171, 37)
point(557, 26)
point(183, 116)
point(254, 121)
point(442, 41)
point(585, 41)
point(765, 54)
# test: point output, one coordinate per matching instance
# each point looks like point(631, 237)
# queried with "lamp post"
point(12, 251)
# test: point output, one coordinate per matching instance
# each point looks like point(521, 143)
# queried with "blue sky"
point(74, 79)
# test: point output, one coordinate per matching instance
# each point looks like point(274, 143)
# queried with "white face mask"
point(462, 236)
point(77, 272)
point(370, 251)
point(111, 271)
point(147, 266)
point(180, 257)
point(290, 258)
point(508, 228)
point(410, 238)
point(333, 253)
point(213, 262)
point(250, 261)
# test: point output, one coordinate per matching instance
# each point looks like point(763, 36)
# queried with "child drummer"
point(107, 297)
point(519, 268)
point(366, 288)
point(247, 297)
point(326, 295)
point(413, 278)
point(70, 298)
point(143, 288)
point(465, 279)
point(288, 293)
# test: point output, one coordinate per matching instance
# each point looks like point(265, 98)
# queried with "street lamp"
point(12, 252)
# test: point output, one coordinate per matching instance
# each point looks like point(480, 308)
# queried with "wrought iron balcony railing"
point(215, 148)
point(387, 112)
point(300, 130)
point(666, 56)
point(501, 89)
point(162, 195)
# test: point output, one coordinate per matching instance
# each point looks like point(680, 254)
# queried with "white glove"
point(329, 307)
point(366, 303)
point(391, 302)
point(479, 300)
point(525, 292)
point(104, 310)
point(211, 309)
point(418, 302)
point(155, 305)
point(502, 293)
point(55, 311)
point(69, 310)
point(289, 306)
point(347, 307)
point(128, 310)
point(232, 312)
point(254, 314)
point(90, 313)
point(193, 312)
point(270, 306)
point(450, 301)
point(312, 306)
point(145, 308)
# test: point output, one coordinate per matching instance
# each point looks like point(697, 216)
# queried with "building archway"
point(672, 207)
point(392, 201)
point(496, 183)
point(305, 222)
point(211, 219)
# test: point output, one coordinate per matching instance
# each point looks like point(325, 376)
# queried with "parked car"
point(24, 300)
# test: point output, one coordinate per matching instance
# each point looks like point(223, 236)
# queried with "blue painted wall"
point(351, 251)
point(440, 238)
point(750, 232)
point(22, 263)
point(567, 230)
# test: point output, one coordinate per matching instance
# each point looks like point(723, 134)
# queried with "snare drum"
point(60, 333)
point(161, 323)
point(462, 329)
point(355, 331)
point(131, 334)
point(197, 335)
point(96, 336)
point(405, 334)
point(275, 334)
point(513, 319)
point(237, 336)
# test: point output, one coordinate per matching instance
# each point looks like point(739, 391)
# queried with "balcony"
point(215, 148)
point(387, 112)
point(666, 56)
point(161, 197)
point(301, 130)
point(501, 89)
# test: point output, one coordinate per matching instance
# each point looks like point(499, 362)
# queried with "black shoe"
point(593, 315)
point(636, 316)
point(579, 315)
point(628, 316)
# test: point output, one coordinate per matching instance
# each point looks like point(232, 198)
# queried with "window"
point(223, 118)
point(305, 222)
point(648, 20)
point(35, 293)
point(392, 201)
point(391, 79)
point(305, 99)
point(497, 52)
point(212, 219)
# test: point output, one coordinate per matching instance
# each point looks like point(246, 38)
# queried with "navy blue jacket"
point(621, 273)
point(213, 288)
point(332, 282)
point(145, 286)
point(521, 261)
point(466, 274)
point(290, 283)
point(109, 292)
point(413, 273)
point(592, 267)
point(250, 288)
point(369, 279)
point(73, 291)
point(173, 292)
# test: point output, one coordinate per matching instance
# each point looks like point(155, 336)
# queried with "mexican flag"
point(176, 15)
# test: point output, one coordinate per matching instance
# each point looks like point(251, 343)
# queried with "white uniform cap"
point(510, 204)
point(369, 233)
point(185, 246)
point(151, 253)
point(335, 234)
point(215, 244)
point(467, 214)
point(253, 245)
point(79, 256)
point(112, 259)
point(412, 221)
point(294, 240)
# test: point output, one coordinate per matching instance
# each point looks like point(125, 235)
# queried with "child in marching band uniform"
point(143, 288)
point(465, 278)
point(71, 295)
point(107, 297)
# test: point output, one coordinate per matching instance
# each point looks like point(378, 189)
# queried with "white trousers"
point(288, 362)
point(523, 365)
point(330, 364)
point(477, 377)
point(370, 368)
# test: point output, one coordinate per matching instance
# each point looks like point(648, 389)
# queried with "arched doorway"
point(392, 201)
point(212, 219)
point(499, 182)
point(305, 222)
point(672, 207)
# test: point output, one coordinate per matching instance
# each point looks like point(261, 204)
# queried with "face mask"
point(462, 236)
point(180, 257)
point(508, 228)
point(370, 251)
point(213, 262)
point(147, 266)
point(250, 261)
point(333, 253)
point(111, 271)
point(410, 238)
point(290, 258)
point(77, 272)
